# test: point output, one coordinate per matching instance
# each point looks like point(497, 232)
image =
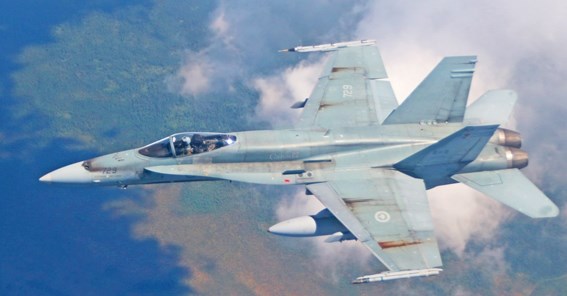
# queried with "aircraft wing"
point(351, 90)
point(441, 96)
point(387, 211)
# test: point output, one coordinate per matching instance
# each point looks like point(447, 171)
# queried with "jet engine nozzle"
point(516, 158)
point(324, 223)
point(506, 137)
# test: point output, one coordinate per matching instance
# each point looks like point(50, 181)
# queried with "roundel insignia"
point(382, 216)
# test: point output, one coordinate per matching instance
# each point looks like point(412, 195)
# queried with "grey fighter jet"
point(368, 160)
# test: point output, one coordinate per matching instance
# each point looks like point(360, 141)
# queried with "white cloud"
point(220, 25)
point(280, 91)
point(545, 161)
point(194, 76)
point(297, 205)
point(461, 214)
point(413, 37)
point(215, 64)
point(245, 37)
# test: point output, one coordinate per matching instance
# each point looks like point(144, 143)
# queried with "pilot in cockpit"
point(182, 146)
point(197, 143)
point(187, 144)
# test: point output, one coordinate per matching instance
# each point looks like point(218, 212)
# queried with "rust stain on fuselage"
point(397, 244)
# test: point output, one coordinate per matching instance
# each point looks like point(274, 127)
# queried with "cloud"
point(506, 36)
point(297, 205)
point(414, 36)
point(242, 48)
point(540, 116)
point(278, 92)
point(461, 214)
point(220, 25)
point(194, 76)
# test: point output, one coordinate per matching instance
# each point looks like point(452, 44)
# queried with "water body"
point(60, 240)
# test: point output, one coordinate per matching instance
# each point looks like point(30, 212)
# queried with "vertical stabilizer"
point(441, 96)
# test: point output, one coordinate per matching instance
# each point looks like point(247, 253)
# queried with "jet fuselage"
point(268, 157)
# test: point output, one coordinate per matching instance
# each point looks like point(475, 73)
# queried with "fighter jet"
point(366, 158)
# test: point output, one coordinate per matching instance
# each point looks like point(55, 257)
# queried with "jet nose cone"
point(46, 178)
point(74, 173)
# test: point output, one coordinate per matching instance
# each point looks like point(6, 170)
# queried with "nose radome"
point(46, 178)
point(73, 173)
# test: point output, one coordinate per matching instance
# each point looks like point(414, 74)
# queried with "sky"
point(520, 45)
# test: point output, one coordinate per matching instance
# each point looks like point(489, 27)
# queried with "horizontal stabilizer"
point(449, 155)
point(493, 107)
point(513, 189)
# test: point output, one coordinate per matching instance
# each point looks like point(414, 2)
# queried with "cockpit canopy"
point(186, 144)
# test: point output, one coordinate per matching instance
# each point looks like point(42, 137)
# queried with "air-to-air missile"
point(393, 275)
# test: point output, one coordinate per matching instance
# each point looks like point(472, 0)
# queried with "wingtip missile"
point(393, 275)
point(287, 50)
point(329, 46)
